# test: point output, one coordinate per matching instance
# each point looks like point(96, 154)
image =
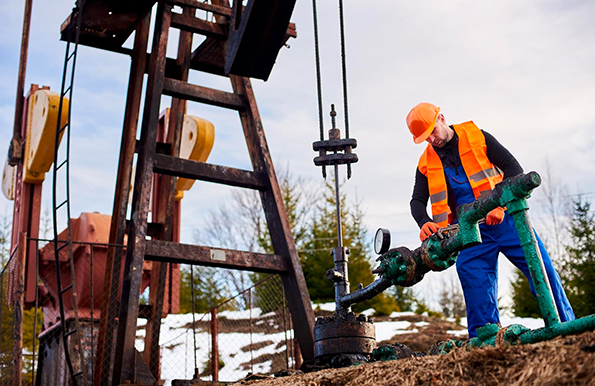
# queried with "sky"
point(522, 71)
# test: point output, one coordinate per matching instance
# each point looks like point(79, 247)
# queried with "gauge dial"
point(381, 241)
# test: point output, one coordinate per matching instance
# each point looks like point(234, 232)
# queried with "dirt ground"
point(562, 361)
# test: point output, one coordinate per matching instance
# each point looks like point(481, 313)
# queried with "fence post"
point(18, 311)
point(214, 347)
point(297, 354)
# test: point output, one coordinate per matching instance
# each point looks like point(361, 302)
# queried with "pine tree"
point(404, 298)
point(209, 290)
point(322, 237)
point(311, 212)
point(579, 270)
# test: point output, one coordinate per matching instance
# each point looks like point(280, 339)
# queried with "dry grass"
point(562, 361)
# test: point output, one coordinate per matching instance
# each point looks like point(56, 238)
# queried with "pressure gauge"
point(381, 241)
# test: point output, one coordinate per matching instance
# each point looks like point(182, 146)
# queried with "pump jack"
point(241, 42)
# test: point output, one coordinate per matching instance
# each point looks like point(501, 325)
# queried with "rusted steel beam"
point(214, 346)
point(17, 377)
point(256, 34)
point(152, 351)
point(109, 22)
point(125, 355)
point(208, 172)
point(216, 9)
point(158, 250)
point(172, 70)
point(209, 56)
point(183, 90)
point(119, 225)
point(164, 198)
point(154, 229)
point(104, 45)
point(198, 26)
point(27, 210)
point(15, 152)
point(277, 221)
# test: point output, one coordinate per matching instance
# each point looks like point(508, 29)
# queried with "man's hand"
point(495, 216)
point(428, 229)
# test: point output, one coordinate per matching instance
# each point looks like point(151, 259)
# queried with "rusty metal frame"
point(168, 77)
point(16, 151)
point(118, 227)
point(283, 243)
point(125, 355)
point(27, 207)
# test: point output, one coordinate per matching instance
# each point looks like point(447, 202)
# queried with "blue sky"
point(522, 71)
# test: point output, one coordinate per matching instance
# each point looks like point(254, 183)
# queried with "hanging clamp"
point(335, 151)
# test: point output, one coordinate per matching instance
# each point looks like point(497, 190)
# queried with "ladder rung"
point(70, 332)
point(62, 204)
point(198, 26)
point(77, 374)
point(66, 91)
point(171, 252)
point(62, 164)
point(180, 167)
point(64, 128)
point(187, 91)
point(65, 288)
point(72, 54)
point(63, 246)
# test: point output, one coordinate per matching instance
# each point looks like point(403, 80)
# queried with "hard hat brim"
point(428, 131)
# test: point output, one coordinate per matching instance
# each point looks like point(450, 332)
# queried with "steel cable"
point(344, 76)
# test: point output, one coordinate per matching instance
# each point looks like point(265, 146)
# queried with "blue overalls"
point(478, 266)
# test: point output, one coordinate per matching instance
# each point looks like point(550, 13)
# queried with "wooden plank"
point(166, 251)
point(198, 26)
point(179, 167)
point(192, 92)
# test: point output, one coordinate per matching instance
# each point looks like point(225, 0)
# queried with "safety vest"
point(481, 173)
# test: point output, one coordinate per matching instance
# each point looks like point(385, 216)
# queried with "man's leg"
point(478, 272)
point(510, 246)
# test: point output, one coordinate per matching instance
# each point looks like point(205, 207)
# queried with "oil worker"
point(460, 163)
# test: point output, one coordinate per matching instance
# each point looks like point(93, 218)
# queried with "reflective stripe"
point(491, 172)
point(484, 193)
point(438, 218)
point(438, 196)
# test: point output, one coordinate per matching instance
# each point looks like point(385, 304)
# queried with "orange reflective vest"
point(481, 173)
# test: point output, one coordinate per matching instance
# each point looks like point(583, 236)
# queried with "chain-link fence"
point(216, 324)
point(250, 332)
point(7, 325)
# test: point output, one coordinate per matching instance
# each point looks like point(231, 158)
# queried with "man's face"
point(441, 134)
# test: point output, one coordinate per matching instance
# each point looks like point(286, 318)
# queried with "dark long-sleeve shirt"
point(449, 155)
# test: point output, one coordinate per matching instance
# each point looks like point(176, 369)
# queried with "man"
point(460, 163)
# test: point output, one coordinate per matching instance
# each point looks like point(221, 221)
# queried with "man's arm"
point(419, 199)
point(501, 157)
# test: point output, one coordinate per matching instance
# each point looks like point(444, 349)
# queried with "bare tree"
point(451, 300)
point(5, 234)
point(556, 203)
point(241, 224)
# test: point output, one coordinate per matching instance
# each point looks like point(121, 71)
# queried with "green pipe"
point(518, 210)
point(518, 334)
point(573, 327)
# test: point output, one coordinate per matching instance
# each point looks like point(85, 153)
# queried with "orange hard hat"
point(421, 120)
